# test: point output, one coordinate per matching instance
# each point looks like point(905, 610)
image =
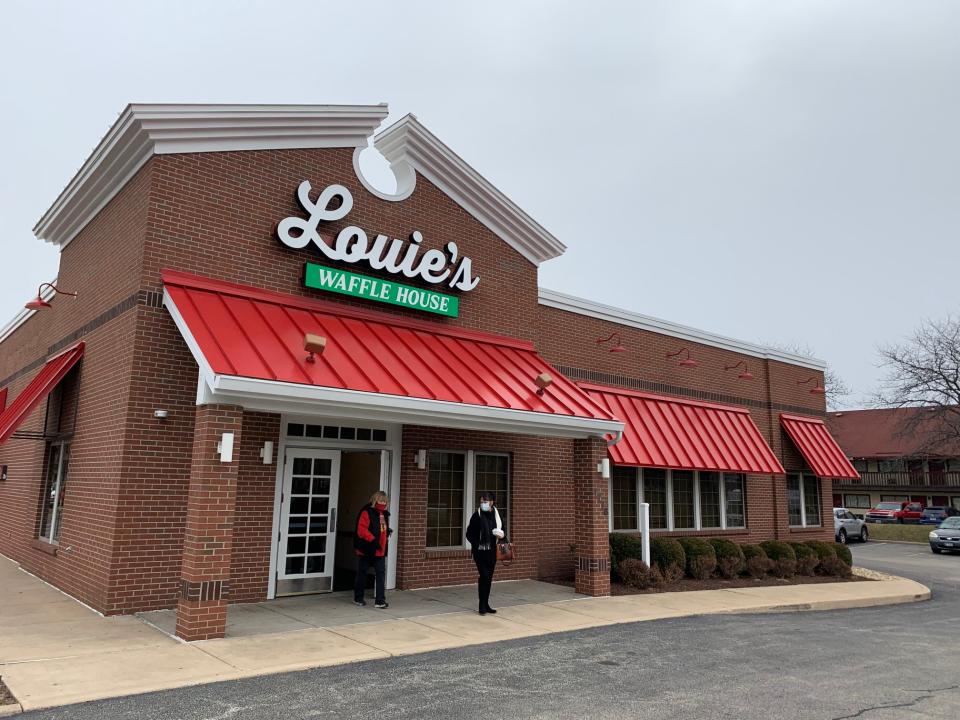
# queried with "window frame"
point(469, 490)
point(56, 511)
point(640, 493)
point(801, 477)
point(847, 504)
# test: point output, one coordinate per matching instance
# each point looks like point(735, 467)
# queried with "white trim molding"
point(580, 306)
point(144, 130)
point(409, 145)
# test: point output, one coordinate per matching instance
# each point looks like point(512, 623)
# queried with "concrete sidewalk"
point(55, 651)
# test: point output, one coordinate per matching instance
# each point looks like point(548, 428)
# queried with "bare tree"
point(837, 391)
point(924, 372)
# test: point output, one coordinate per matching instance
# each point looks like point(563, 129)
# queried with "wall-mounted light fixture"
point(745, 373)
point(817, 389)
point(314, 345)
point(603, 467)
point(225, 448)
point(266, 452)
point(687, 361)
point(421, 459)
point(160, 414)
point(543, 381)
point(38, 303)
point(617, 347)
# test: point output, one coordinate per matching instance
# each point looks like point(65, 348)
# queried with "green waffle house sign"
point(320, 277)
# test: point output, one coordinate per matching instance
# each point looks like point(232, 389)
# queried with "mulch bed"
point(686, 584)
point(6, 697)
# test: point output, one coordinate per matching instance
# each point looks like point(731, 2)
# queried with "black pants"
point(486, 561)
point(379, 570)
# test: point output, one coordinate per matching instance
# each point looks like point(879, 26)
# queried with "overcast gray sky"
point(774, 171)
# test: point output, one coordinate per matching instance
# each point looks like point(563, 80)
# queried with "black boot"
point(490, 610)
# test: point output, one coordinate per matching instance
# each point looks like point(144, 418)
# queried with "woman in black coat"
point(483, 533)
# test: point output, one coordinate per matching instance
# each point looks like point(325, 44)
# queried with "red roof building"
point(261, 339)
point(900, 453)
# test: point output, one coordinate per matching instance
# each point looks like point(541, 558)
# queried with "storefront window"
point(710, 500)
point(803, 500)
point(683, 500)
point(655, 493)
point(734, 497)
point(445, 494)
point(58, 458)
point(623, 498)
point(492, 472)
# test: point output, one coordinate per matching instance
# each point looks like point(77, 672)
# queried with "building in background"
point(894, 463)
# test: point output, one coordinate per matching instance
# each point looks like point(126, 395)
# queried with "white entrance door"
point(308, 521)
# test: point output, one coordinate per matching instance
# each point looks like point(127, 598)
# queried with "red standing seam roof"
point(247, 332)
point(46, 380)
point(818, 447)
point(669, 432)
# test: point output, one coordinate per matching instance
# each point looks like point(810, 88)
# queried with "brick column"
point(208, 537)
point(592, 518)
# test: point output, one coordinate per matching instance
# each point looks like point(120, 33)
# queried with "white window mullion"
point(468, 485)
point(56, 496)
point(723, 501)
point(639, 494)
point(696, 501)
point(668, 481)
point(803, 502)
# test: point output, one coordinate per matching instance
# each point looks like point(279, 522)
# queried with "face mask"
point(485, 506)
point(381, 506)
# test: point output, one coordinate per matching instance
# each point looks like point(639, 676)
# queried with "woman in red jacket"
point(370, 543)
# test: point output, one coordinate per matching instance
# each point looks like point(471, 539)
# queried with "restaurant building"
point(260, 339)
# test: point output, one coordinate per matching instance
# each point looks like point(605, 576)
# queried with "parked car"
point(935, 514)
point(946, 536)
point(846, 526)
point(896, 512)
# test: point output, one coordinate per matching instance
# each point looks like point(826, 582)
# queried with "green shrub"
point(756, 562)
point(807, 558)
point(701, 558)
point(836, 567)
point(730, 560)
point(783, 557)
point(668, 555)
point(637, 574)
point(843, 552)
point(824, 551)
point(623, 546)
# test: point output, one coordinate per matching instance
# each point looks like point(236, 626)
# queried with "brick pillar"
point(208, 537)
point(592, 518)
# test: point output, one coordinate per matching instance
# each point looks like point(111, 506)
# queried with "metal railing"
point(917, 479)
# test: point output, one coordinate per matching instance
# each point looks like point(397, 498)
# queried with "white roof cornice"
point(144, 130)
point(408, 144)
point(562, 301)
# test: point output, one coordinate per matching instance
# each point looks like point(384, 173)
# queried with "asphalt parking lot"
point(871, 664)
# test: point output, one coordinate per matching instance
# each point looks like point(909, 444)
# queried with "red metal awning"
point(669, 432)
point(38, 389)
point(818, 447)
point(249, 343)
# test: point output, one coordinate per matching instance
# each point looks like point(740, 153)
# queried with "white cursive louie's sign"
point(353, 246)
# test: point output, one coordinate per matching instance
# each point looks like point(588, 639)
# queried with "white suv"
point(847, 527)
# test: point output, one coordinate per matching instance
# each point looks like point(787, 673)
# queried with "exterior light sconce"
point(687, 361)
point(314, 345)
point(543, 381)
point(618, 347)
point(225, 448)
point(817, 389)
point(745, 374)
point(421, 459)
point(38, 303)
point(266, 452)
point(603, 467)
point(160, 414)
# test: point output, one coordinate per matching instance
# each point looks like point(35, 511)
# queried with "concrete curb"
point(10, 709)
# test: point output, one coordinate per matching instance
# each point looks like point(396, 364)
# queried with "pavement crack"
point(927, 694)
